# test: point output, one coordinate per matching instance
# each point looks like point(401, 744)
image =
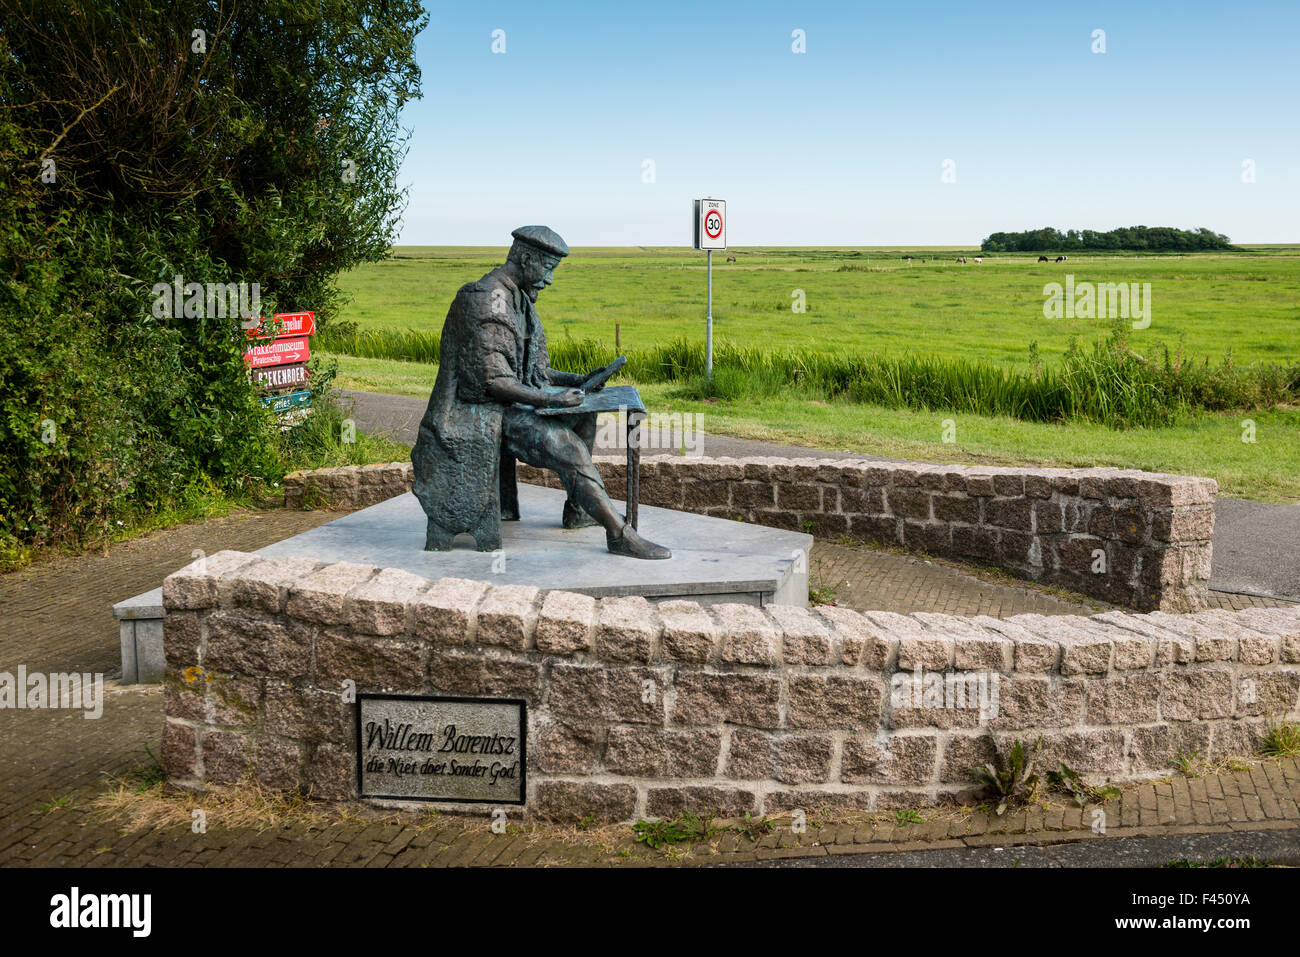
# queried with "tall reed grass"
point(1104, 381)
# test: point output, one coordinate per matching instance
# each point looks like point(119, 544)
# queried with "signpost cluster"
point(710, 221)
point(277, 358)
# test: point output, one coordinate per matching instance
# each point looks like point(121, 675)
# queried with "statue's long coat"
point(491, 331)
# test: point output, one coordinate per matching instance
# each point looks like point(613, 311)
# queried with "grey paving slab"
point(713, 559)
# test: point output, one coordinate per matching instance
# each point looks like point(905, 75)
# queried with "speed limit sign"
point(710, 224)
point(710, 234)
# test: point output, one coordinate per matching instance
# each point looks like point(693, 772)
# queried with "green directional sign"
point(287, 401)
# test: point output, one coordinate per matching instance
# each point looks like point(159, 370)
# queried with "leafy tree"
point(1157, 238)
point(144, 139)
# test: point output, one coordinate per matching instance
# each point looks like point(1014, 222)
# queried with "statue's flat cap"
point(543, 237)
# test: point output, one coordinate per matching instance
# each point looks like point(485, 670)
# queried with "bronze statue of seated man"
point(493, 375)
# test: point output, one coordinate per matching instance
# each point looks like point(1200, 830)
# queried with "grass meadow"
point(870, 306)
point(859, 300)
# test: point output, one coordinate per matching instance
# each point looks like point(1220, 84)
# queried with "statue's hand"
point(560, 400)
point(595, 388)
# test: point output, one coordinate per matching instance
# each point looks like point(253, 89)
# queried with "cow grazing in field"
point(731, 259)
point(1061, 259)
point(978, 260)
point(1043, 259)
point(961, 259)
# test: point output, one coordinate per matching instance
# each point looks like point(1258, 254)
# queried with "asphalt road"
point(1256, 548)
point(1256, 545)
point(1277, 846)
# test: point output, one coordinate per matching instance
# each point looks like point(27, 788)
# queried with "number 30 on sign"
point(710, 224)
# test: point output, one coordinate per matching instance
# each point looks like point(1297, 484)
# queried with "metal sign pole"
point(708, 353)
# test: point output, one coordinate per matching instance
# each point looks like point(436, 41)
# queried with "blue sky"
point(845, 144)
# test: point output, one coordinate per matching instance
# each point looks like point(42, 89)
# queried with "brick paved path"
point(58, 615)
point(1262, 797)
point(54, 764)
point(867, 579)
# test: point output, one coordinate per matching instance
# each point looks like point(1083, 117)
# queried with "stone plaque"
point(428, 748)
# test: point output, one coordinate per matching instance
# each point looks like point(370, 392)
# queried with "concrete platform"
point(714, 560)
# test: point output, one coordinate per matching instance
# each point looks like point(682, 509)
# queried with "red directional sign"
point(284, 324)
point(277, 353)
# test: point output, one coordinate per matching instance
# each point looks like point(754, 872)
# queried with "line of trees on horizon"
point(1153, 238)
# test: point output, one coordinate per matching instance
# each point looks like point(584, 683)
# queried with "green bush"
point(127, 157)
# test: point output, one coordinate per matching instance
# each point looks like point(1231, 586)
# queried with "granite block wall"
point(1132, 538)
point(643, 711)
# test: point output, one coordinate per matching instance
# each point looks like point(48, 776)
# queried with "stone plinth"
point(638, 709)
point(714, 560)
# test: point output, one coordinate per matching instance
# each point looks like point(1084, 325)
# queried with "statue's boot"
point(575, 516)
point(620, 537)
point(632, 545)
